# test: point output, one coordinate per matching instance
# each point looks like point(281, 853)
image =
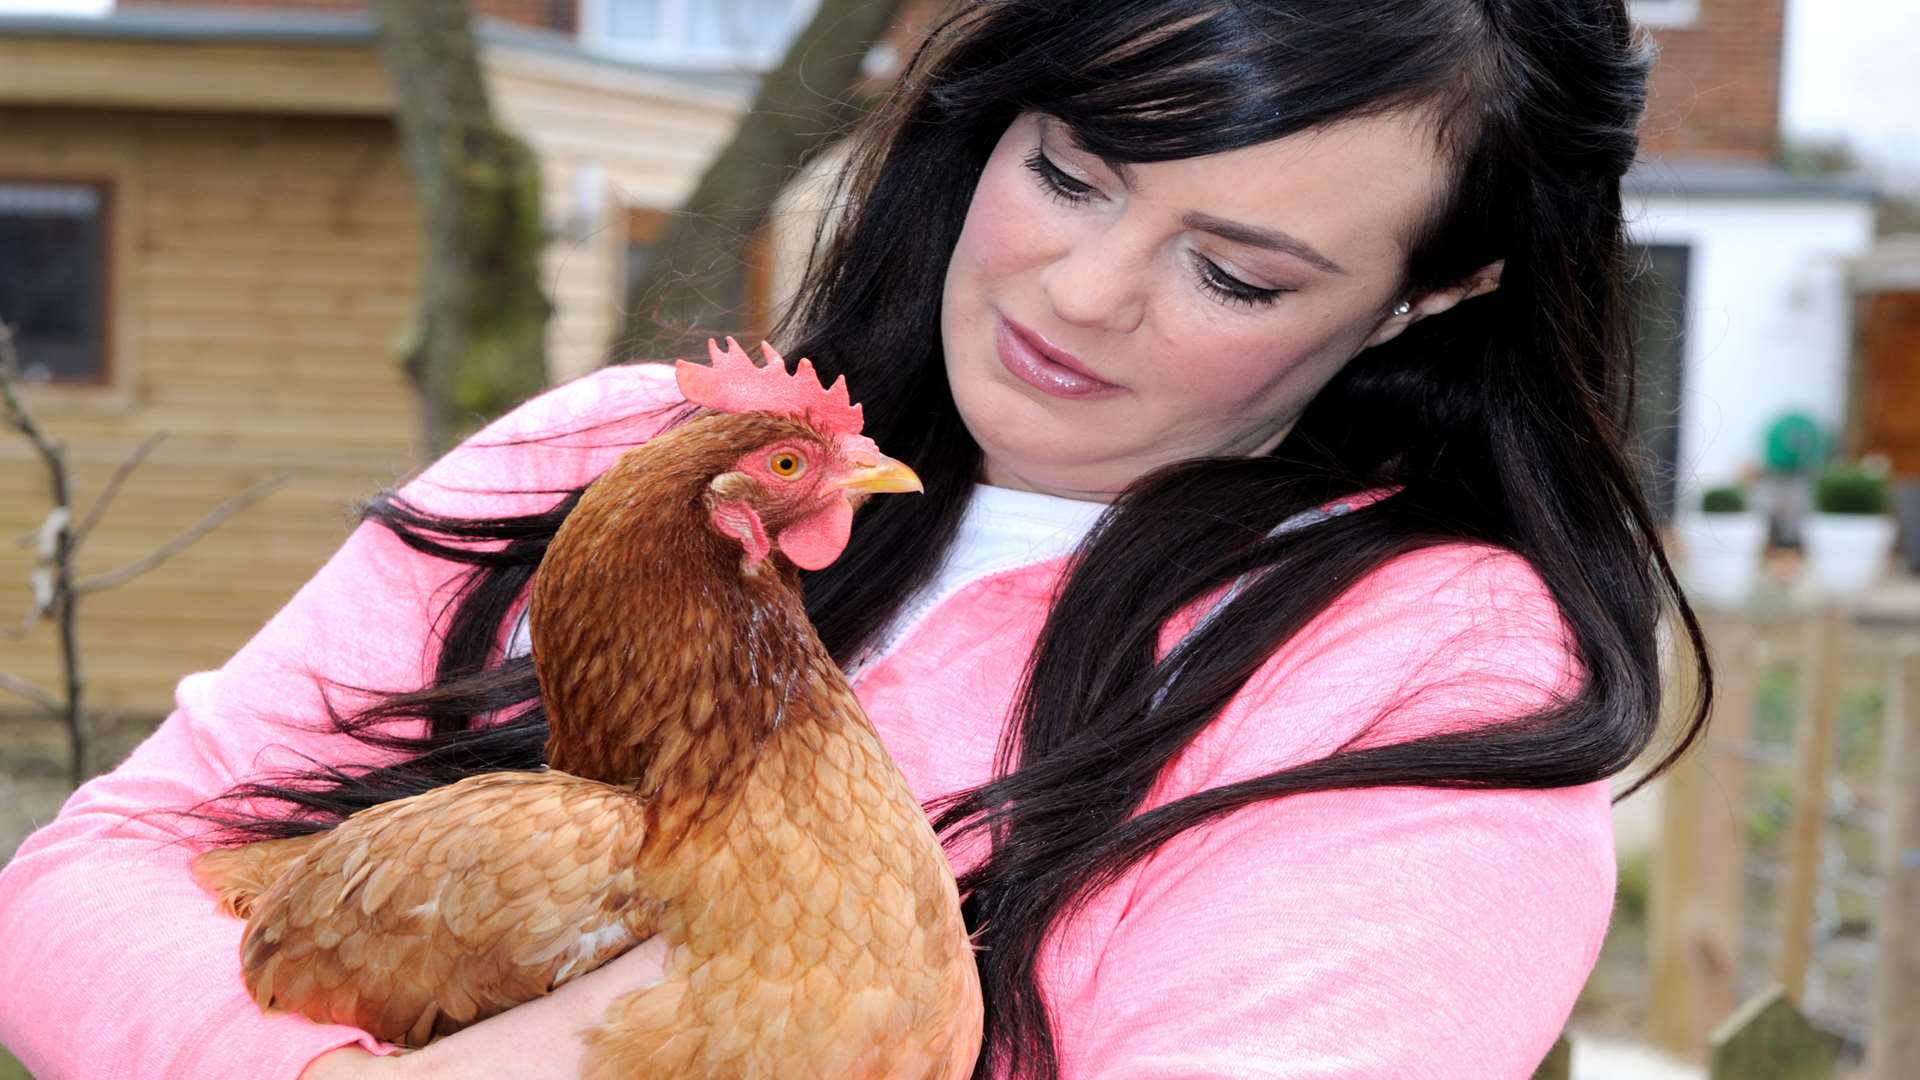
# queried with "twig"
point(46, 575)
point(120, 474)
point(56, 559)
point(27, 622)
point(173, 547)
point(17, 414)
point(32, 692)
point(55, 588)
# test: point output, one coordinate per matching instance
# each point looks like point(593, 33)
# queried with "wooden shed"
point(210, 215)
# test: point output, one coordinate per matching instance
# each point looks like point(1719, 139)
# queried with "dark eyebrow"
point(1119, 168)
point(1251, 235)
point(1256, 236)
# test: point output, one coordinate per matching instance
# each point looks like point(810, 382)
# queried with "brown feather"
point(237, 876)
point(430, 940)
point(714, 782)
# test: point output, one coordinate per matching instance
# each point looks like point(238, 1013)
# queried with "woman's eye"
point(786, 464)
point(1231, 289)
point(1055, 182)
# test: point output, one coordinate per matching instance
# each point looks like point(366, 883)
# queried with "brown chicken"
point(712, 779)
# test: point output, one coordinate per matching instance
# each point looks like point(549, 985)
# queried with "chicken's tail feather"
point(237, 876)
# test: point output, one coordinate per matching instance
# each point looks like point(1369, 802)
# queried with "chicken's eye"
point(786, 464)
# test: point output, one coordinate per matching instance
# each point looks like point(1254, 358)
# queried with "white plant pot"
point(1723, 553)
point(1848, 552)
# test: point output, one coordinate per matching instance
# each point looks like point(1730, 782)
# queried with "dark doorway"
point(1659, 297)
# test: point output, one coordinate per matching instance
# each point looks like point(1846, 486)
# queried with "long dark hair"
point(1503, 422)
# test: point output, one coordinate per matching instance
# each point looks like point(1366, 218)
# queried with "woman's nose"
point(1097, 282)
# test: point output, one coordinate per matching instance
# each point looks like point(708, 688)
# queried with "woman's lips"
point(1043, 367)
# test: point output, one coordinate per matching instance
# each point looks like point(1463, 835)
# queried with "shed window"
point(53, 278)
point(696, 33)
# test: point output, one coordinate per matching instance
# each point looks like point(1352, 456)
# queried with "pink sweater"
point(1376, 933)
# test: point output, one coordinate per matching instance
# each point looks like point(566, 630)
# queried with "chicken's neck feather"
point(662, 665)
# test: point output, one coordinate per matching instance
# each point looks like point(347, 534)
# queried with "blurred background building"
point(1747, 312)
point(211, 203)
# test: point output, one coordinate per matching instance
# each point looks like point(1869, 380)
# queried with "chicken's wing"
point(420, 916)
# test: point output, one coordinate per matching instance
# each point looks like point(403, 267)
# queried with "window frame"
point(119, 175)
point(1662, 14)
point(108, 211)
point(671, 50)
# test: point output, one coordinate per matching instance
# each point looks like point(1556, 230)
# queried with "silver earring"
point(1402, 308)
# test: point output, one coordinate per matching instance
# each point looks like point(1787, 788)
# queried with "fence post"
point(1893, 1043)
point(1694, 912)
point(1770, 1039)
point(1806, 822)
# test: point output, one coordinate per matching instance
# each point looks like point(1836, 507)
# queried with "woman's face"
point(1101, 323)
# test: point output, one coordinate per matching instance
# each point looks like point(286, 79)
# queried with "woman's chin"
point(1065, 474)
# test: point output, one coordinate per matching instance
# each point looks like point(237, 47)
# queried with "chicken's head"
point(796, 487)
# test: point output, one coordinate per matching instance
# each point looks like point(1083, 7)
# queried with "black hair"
point(1504, 422)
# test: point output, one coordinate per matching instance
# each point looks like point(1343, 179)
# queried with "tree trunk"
point(693, 283)
point(477, 347)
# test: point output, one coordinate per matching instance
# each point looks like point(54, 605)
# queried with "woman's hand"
point(539, 1040)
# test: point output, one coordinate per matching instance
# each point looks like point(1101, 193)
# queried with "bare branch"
point(32, 692)
point(17, 414)
point(119, 477)
point(52, 569)
point(200, 528)
point(27, 622)
point(47, 569)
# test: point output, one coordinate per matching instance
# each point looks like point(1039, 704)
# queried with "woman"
point(1297, 766)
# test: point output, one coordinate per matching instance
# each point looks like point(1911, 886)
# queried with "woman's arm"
point(534, 1041)
point(119, 962)
point(1369, 933)
point(1356, 935)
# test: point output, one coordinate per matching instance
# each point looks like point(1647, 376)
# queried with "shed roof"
point(1744, 180)
point(235, 32)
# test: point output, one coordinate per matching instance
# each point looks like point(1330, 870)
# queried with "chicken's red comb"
point(734, 383)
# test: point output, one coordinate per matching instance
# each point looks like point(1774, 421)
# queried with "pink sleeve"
point(116, 963)
point(1369, 933)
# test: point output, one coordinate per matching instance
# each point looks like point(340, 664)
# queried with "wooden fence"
point(1787, 873)
point(1768, 1038)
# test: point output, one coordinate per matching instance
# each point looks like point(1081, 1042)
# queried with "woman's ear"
point(1426, 305)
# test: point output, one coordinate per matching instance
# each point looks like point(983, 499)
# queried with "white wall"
point(1852, 71)
point(1769, 324)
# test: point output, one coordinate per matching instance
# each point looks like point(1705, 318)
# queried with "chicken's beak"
point(877, 473)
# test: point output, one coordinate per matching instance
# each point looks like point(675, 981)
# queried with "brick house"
point(1747, 313)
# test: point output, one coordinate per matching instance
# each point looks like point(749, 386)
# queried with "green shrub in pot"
point(1723, 500)
point(1850, 489)
point(1849, 537)
point(1722, 543)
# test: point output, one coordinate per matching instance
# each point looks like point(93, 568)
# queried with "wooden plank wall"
point(650, 139)
point(267, 265)
point(274, 264)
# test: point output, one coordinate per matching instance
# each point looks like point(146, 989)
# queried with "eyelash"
point(1227, 288)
